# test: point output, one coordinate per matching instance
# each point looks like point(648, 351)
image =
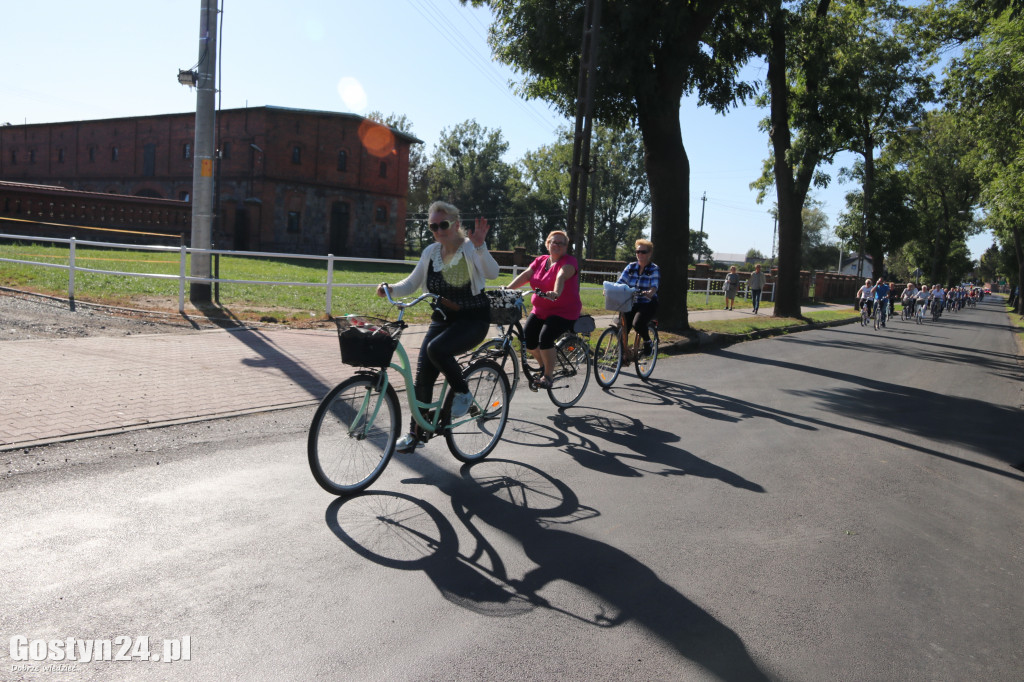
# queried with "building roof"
point(412, 139)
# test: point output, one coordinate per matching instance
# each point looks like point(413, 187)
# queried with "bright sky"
point(428, 59)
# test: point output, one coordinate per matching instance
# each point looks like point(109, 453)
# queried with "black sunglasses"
point(642, 251)
point(443, 225)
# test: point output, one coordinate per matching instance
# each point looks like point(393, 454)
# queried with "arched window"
point(342, 160)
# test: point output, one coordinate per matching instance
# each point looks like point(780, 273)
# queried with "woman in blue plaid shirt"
point(644, 276)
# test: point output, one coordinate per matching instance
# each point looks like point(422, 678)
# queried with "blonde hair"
point(450, 212)
point(547, 240)
point(646, 243)
point(446, 208)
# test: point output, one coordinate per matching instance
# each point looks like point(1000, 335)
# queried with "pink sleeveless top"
point(568, 305)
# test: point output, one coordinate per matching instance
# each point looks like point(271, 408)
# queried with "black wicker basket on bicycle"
point(366, 341)
point(506, 305)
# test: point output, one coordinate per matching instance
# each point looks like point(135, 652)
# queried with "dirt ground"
point(26, 315)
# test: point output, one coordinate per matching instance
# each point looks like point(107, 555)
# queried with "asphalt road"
point(839, 504)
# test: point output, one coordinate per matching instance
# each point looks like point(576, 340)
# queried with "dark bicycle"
point(572, 356)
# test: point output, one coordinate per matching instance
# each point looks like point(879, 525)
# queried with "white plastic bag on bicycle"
point(618, 297)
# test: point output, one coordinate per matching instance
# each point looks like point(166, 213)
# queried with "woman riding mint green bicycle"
point(357, 425)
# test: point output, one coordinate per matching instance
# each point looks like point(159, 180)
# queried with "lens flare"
point(378, 139)
point(352, 94)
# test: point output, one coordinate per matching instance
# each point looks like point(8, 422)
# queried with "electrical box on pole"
point(205, 150)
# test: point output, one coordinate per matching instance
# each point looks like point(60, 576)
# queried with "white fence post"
point(71, 272)
point(330, 281)
point(181, 282)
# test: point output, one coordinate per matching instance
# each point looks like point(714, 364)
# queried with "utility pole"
point(700, 246)
point(584, 119)
point(775, 229)
point(205, 150)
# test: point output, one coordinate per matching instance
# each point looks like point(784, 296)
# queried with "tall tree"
point(888, 69)
point(651, 53)
point(467, 170)
point(984, 88)
point(941, 190)
point(836, 78)
point(619, 197)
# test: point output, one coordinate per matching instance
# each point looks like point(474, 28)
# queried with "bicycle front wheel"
point(472, 437)
point(571, 376)
point(645, 362)
point(353, 435)
point(607, 357)
point(506, 359)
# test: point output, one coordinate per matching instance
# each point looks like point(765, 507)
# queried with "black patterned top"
point(452, 281)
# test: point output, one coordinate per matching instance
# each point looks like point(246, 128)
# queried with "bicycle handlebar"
point(402, 305)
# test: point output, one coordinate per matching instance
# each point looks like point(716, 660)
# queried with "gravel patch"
point(28, 316)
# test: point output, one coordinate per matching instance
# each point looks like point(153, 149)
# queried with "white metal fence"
point(711, 287)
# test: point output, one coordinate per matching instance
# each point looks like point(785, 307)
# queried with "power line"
point(444, 27)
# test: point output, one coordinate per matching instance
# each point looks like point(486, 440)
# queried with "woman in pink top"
point(557, 308)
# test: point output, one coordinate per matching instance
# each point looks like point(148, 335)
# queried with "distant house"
point(850, 264)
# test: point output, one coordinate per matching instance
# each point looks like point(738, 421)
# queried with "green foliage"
point(985, 94)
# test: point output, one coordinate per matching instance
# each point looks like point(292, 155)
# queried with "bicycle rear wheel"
point(353, 434)
point(471, 437)
point(645, 362)
point(571, 376)
point(607, 357)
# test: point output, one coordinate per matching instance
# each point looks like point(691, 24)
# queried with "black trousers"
point(445, 340)
point(544, 333)
point(640, 316)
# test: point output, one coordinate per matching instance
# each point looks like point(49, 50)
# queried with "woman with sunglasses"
point(455, 267)
point(554, 311)
point(644, 276)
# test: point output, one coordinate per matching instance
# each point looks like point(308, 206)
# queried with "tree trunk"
point(787, 286)
point(668, 172)
point(1018, 247)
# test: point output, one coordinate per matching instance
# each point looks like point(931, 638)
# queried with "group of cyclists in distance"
point(934, 299)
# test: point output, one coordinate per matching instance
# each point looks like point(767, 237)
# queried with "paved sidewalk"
point(66, 389)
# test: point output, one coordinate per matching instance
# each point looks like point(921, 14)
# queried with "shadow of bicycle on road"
point(531, 507)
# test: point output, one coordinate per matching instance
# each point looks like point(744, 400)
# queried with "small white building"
point(849, 266)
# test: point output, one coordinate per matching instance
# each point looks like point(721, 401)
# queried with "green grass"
point(259, 301)
point(748, 325)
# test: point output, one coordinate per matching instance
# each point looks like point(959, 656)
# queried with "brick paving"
point(62, 389)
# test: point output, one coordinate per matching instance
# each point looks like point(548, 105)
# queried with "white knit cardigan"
point(481, 263)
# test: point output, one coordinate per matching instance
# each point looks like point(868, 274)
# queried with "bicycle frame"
point(404, 367)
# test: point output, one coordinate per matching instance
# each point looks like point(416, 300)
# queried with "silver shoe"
point(407, 443)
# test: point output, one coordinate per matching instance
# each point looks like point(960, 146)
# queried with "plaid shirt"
point(651, 278)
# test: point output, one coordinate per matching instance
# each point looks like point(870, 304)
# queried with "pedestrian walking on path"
point(730, 287)
point(756, 284)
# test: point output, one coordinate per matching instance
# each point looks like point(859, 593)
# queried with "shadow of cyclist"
point(531, 507)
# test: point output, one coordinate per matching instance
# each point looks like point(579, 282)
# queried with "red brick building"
point(288, 180)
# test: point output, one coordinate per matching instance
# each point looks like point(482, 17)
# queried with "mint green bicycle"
point(355, 428)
